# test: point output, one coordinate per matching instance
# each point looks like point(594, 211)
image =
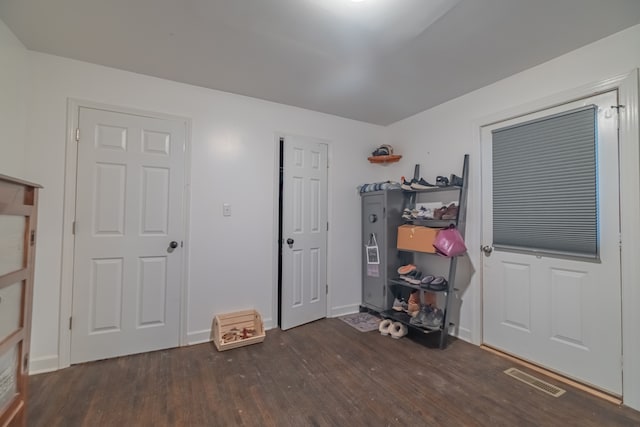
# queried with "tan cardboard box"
point(416, 238)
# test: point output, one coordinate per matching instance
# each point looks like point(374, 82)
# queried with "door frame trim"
point(628, 136)
point(69, 208)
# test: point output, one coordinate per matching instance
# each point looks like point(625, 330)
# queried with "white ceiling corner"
point(377, 61)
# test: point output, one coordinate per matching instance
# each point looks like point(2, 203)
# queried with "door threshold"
point(616, 400)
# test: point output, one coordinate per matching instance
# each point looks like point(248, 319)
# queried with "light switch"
point(226, 209)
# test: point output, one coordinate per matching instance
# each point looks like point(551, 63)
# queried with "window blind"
point(545, 185)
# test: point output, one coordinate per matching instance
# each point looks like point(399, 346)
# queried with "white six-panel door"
point(304, 259)
point(563, 314)
point(129, 208)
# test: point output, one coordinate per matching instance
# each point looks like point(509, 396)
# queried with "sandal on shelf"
point(426, 280)
point(405, 269)
point(438, 284)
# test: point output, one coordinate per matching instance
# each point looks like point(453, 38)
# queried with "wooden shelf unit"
point(18, 217)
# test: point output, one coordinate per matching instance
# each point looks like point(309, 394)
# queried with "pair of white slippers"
point(395, 329)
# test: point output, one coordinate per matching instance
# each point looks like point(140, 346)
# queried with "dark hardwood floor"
point(322, 374)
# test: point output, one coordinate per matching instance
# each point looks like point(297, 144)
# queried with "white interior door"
point(304, 249)
point(560, 313)
point(129, 208)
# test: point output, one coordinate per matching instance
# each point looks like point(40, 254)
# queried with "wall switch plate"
point(226, 209)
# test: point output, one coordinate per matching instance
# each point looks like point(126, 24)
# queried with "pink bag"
point(449, 242)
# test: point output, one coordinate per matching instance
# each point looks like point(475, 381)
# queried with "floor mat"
point(364, 322)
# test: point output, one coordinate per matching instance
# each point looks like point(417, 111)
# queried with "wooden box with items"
point(237, 329)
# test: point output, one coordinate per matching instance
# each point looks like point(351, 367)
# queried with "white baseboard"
point(268, 324)
point(40, 365)
point(344, 309)
point(465, 334)
point(199, 337)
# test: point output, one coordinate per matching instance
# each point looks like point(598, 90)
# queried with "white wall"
point(14, 92)
point(233, 161)
point(437, 138)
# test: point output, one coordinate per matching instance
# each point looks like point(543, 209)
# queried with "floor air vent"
point(535, 382)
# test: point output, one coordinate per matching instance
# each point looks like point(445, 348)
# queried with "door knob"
point(173, 244)
point(487, 249)
point(290, 242)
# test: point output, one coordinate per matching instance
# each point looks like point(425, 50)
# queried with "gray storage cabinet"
point(381, 216)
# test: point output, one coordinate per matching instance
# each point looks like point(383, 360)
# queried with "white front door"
point(561, 313)
point(304, 246)
point(129, 210)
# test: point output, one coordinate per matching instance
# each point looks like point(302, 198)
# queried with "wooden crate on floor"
point(228, 329)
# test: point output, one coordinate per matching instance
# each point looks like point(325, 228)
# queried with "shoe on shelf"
point(456, 180)
point(426, 280)
point(451, 212)
point(434, 319)
point(415, 280)
point(438, 284)
point(442, 181)
point(421, 318)
point(410, 275)
point(437, 213)
point(421, 184)
point(406, 214)
point(425, 213)
point(406, 269)
point(399, 305)
point(413, 305)
point(406, 185)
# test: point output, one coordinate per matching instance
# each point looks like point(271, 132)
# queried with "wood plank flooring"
point(322, 374)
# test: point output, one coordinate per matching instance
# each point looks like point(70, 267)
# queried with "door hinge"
point(618, 107)
point(181, 243)
point(77, 134)
point(70, 322)
point(327, 226)
point(73, 228)
point(32, 238)
point(327, 289)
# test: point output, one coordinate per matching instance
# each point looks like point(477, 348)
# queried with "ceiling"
point(377, 61)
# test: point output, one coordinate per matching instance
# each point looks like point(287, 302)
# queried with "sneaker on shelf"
point(421, 184)
point(400, 305)
point(415, 280)
point(406, 185)
point(421, 318)
point(456, 180)
point(425, 213)
point(406, 214)
point(442, 181)
point(433, 319)
point(411, 275)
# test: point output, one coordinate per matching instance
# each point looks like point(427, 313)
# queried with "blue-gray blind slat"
point(544, 185)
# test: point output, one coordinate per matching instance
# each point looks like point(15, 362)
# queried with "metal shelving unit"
point(410, 198)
